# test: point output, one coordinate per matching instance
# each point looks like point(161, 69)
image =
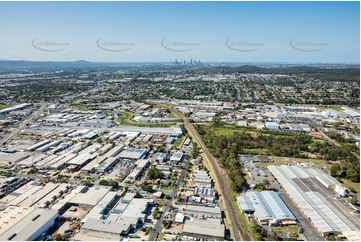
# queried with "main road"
point(237, 232)
point(158, 225)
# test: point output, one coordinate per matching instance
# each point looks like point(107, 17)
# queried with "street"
point(158, 225)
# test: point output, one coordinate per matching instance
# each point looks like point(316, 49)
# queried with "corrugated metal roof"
point(325, 216)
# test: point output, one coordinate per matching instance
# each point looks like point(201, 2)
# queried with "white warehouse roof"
point(324, 215)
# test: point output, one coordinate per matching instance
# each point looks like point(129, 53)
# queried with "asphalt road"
point(158, 225)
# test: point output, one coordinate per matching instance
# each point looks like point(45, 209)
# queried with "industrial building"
point(201, 178)
point(159, 157)
point(32, 160)
point(38, 145)
point(7, 159)
point(177, 157)
point(62, 203)
point(48, 146)
point(204, 229)
point(24, 223)
point(98, 211)
point(90, 198)
point(9, 184)
point(127, 214)
point(272, 125)
point(172, 131)
point(308, 188)
point(36, 194)
point(133, 154)
point(134, 175)
point(107, 164)
point(267, 207)
point(114, 151)
point(202, 211)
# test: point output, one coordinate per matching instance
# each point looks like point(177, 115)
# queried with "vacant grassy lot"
point(81, 107)
point(179, 141)
point(337, 108)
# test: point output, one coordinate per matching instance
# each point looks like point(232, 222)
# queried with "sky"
point(293, 32)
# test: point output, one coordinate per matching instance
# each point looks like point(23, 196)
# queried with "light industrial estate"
point(179, 152)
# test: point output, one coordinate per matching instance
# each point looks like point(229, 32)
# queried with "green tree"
point(353, 174)
point(154, 173)
point(86, 182)
point(113, 184)
point(103, 182)
point(59, 237)
point(266, 182)
point(353, 200)
point(216, 121)
point(334, 170)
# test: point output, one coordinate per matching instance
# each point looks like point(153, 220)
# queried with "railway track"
point(238, 233)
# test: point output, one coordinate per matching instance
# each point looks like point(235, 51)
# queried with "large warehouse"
point(267, 207)
point(204, 229)
point(303, 185)
point(23, 223)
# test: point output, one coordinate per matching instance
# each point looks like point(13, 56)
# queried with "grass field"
point(287, 229)
point(337, 108)
point(160, 202)
point(81, 107)
point(6, 106)
point(272, 164)
point(290, 159)
point(230, 129)
point(179, 141)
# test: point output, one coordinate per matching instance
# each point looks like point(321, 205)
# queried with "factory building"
point(36, 194)
point(38, 145)
point(177, 157)
point(272, 126)
point(24, 223)
point(202, 211)
point(203, 229)
point(129, 213)
point(304, 185)
point(201, 178)
point(9, 184)
point(90, 198)
point(48, 146)
point(9, 159)
point(267, 207)
point(172, 131)
point(159, 157)
point(133, 154)
point(107, 164)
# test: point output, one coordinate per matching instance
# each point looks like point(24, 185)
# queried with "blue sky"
point(133, 31)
